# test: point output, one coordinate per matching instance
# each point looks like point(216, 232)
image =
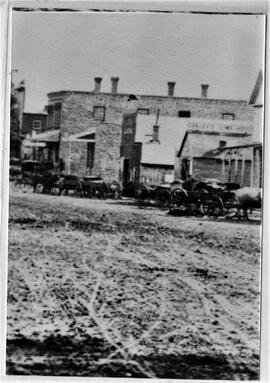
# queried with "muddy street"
point(104, 288)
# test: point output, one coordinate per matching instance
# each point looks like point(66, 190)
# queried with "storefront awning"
point(85, 136)
point(49, 136)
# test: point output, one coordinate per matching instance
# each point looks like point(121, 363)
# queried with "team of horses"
point(88, 187)
point(208, 197)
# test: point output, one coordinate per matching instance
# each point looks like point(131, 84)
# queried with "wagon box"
point(70, 182)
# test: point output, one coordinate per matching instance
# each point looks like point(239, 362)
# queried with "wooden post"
point(230, 166)
point(256, 167)
point(243, 167)
point(251, 169)
point(69, 159)
point(191, 166)
point(236, 164)
point(223, 166)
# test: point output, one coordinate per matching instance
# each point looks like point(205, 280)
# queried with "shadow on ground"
point(62, 356)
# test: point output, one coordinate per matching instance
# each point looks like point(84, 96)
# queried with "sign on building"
point(220, 126)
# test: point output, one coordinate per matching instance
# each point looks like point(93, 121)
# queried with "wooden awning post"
point(251, 168)
point(243, 167)
point(230, 166)
point(223, 166)
point(69, 159)
point(236, 164)
point(190, 166)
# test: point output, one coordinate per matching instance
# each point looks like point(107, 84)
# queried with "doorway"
point(184, 169)
point(125, 172)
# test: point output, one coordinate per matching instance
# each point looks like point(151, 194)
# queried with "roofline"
point(215, 133)
point(226, 134)
point(210, 158)
point(150, 164)
point(182, 144)
point(256, 89)
point(42, 114)
point(254, 144)
point(62, 92)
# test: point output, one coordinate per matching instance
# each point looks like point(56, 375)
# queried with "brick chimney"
point(114, 81)
point(98, 84)
point(204, 88)
point(171, 86)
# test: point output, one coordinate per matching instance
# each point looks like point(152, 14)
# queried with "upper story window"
point(57, 115)
point(54, 116)
point(50, 116)
point(228, 116)
point(222, 144)
point(36, 125)
point(99, 113)
point(143, 111)
point(184, 113)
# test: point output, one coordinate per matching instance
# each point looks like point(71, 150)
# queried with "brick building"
point(90, 123)
point(33, 121)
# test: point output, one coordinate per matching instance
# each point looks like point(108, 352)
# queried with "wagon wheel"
point(198, 210)
point(212, 206)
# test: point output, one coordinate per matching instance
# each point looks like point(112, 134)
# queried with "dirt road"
point(103, 288)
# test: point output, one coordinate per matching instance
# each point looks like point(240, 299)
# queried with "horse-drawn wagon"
point(96, 187)
point(201, 198)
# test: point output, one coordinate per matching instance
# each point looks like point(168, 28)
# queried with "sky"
point(65, 51)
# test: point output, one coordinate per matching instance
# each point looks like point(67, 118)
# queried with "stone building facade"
point(77, 112)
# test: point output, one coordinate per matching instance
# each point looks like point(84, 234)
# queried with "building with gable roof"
point(202, 155)
point(256, 143)
point(150, 146)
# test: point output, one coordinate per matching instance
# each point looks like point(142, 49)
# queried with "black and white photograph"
point(135, 194)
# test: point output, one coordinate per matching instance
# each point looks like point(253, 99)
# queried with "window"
point(184, 113)
point(99, 113)
point(57, 114)
point(50, 116)
point(37, 125)
point(227, 116)
point(143, 111)
point(222, 144)
point(90, 155)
